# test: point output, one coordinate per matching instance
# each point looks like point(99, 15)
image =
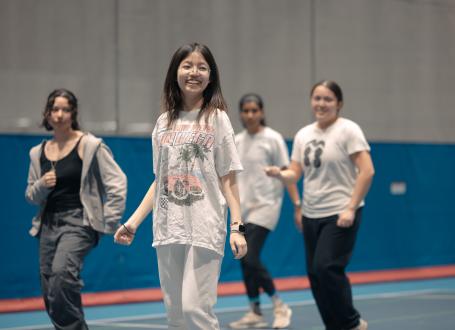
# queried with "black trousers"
point(255, 275)
point(63, 247)
point(328, 251)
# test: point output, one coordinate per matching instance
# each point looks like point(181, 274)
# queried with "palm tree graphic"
point(186, 156)
point(184, 191)
point(198, 152)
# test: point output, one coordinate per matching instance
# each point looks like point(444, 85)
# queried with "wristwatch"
point(237, 227)
point(297, 203)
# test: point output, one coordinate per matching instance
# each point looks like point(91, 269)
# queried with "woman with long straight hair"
point(195, 163)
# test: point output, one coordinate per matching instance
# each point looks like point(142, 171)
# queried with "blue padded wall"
point(408, 230)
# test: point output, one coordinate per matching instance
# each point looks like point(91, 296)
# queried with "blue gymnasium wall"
point(414, 229)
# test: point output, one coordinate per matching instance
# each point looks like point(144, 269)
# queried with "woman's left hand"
point(124, 235)
point(238, 245)
point(346, 218)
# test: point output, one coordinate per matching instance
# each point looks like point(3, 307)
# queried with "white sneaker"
point(363, 325)
point(282, 316)
point(249, 320)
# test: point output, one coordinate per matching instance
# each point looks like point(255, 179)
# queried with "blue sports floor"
point(416, 305)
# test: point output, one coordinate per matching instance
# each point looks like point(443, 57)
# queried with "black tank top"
point(65, 195)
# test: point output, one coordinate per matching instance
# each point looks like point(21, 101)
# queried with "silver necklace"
point(53, 165)
point(54, 162)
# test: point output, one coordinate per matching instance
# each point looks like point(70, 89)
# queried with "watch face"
point(241, 228)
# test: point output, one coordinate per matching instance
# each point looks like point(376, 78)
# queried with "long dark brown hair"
point(172, 99)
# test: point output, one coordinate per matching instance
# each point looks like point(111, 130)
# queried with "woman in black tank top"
point(64, 229)
point(68, 170)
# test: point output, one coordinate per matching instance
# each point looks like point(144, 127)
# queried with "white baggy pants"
point(189, 278)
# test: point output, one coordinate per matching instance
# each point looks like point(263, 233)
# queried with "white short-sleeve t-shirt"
point(329, 173)
point(260, 195)
point(189, 158)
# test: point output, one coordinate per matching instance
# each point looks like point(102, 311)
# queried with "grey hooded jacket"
point(103, 187)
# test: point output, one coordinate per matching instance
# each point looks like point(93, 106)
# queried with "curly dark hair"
point(72, 100)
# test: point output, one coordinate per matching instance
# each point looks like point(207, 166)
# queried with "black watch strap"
point(237, 228)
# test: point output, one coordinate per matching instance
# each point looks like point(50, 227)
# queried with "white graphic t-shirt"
point(329, 173)
point(260, 195)
point(189, 158)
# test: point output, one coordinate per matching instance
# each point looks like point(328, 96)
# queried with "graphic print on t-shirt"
point(313, 152)
point(182, 184)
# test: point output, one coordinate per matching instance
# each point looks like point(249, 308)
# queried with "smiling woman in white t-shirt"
point(195, 163)
point(333, 156)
